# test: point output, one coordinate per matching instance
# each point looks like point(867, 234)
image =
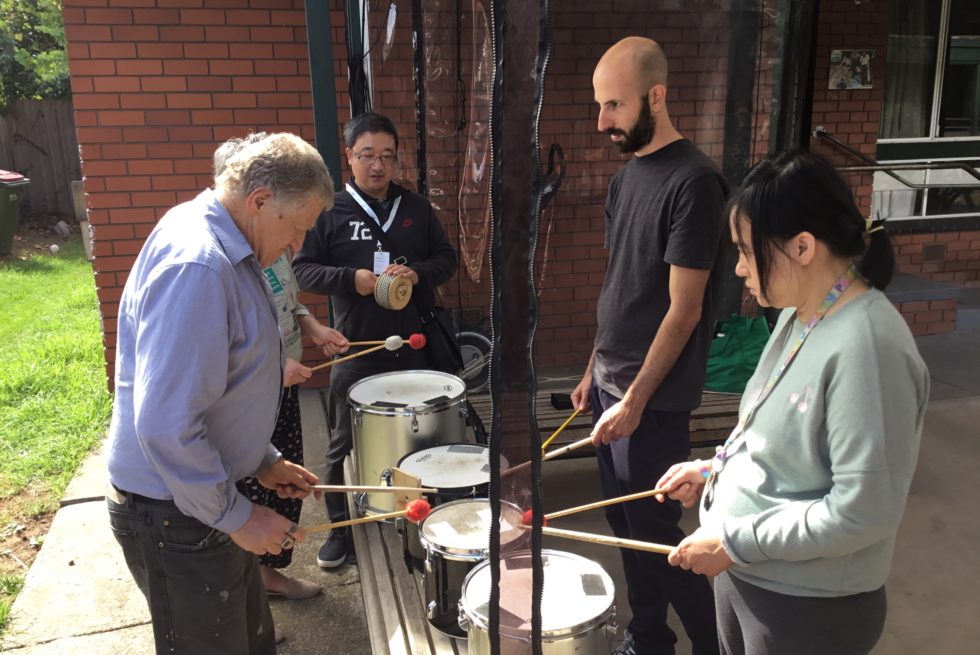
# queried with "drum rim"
point(408, 410)
point(458, 554)
point(461, 489)
point(549, 635)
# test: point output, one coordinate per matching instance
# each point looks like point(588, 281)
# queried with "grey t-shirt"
point(663, 209)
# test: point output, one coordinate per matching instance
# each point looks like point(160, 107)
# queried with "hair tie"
point(871, 226)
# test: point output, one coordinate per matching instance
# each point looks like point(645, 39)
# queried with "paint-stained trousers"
point(204, 592)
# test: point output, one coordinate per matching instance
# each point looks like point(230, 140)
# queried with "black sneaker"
point(626, 647)
point(333, 552)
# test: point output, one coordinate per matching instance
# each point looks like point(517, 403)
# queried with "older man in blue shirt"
point(198, 377)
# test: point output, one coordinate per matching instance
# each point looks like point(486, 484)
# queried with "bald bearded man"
point(664, 220)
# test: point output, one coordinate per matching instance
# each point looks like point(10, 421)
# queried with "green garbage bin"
point(11, 185)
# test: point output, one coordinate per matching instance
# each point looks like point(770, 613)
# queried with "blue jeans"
point(204, 592)
point(635, 464)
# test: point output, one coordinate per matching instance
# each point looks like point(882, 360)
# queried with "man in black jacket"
point(342, 257)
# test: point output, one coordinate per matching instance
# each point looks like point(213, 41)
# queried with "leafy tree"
point(33, 61)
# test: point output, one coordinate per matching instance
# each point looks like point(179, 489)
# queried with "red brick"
point(139, 67)
point(247, 17)
point(164, 84)
point(86, 33)
point(190, 134)
point(940, 327)
point(107, 118)
point(99, 134)
point(128, 183)
point(156, 16)
point(112, 50)
point(151, 167)
point(160, 50)
point(143, 134)
point(100, 168)
point(185, 67)
point(108, 200)
point(226, 34)
point(231, 67)
point(188, 101)
point(123, 151)
point(234, 100)
point(175, 183)
point(143, 101)
point(95, 101)
point(181, 33)
point(135, 33)
point(206, 50)
point(92, 67)
point(168, 117)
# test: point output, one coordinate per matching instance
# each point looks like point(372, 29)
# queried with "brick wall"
point(157, 85)
point(850, 115)
point(959, 262)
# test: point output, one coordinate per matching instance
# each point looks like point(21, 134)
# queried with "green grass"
point(54, 404)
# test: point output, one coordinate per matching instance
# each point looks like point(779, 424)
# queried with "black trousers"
point(756, 621)
point(204, 592)
point(635, 464)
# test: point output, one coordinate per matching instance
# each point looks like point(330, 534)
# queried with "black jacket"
point(337, 246)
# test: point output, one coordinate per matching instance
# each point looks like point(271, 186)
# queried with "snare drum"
point(577, 607)
point(457, 470)
point(456, 537)
point(397, 413)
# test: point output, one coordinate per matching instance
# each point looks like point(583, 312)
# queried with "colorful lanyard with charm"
point(721, 452)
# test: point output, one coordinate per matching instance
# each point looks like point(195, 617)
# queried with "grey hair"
point(230, 148)
point(283, 163)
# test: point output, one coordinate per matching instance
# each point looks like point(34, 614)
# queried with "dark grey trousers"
point(204, 592)
point(756, 621)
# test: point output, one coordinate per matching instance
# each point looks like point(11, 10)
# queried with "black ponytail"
point(798, 191)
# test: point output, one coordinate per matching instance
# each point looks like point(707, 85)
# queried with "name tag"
point(381, 261)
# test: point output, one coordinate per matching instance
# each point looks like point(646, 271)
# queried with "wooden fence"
point(37, 140)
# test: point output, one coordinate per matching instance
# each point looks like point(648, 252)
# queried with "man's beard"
point(640, 134)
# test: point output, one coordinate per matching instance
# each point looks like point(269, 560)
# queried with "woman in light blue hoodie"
point(800, 506)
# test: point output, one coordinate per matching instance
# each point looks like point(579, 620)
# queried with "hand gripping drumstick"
point(554, 453)
point(415, 511)
point(560, 428)
point(603, 503)
point(353, 488)
point(603, 540)
point(416, 342)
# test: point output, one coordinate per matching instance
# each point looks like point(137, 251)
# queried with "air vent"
point(933, 253)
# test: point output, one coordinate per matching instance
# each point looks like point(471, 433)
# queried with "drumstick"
point(342, 488)
point(348, 357)
point(603, 540)
point(560, 428)
point(415, 511)
point(366, 343)
point(554, 453)
point(603, 503)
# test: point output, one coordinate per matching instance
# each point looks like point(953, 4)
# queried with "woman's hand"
point(332, 341)
point(702, 553)
point(295, 373)
point(683, 482)
point(403, 271)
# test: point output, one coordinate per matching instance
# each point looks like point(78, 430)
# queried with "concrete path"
point(80, 598)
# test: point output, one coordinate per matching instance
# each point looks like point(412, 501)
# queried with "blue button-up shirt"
point(198, 367)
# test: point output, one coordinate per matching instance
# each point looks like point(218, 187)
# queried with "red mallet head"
point(417, 510)
point(528, 518)
point(417, 341)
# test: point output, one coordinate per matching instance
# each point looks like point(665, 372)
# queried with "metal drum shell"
point(592, 636)
point(382, 435)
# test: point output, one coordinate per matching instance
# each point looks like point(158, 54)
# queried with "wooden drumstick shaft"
point(352, 488)
point(560, 428)
point(602, 503)
point(554, 453)
point(591, 538)
point(366, 343)
point(366, 519)
point(344, 359)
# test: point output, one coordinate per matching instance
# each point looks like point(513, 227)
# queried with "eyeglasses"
point(368, 158)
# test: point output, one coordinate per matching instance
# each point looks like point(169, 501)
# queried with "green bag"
point(735, 352)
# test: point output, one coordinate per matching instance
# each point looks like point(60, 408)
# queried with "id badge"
point(381, 261)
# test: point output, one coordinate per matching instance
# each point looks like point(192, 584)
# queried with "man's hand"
point(332, 341)
point(265, 531)
point(288, 480)
point(364, 281)
point(620, 420)
point(403, 271)
point(702, 553)
point(682, 482)
point(580, 396)
point(295, 373)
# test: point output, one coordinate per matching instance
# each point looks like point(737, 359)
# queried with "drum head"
point(404, 391)
point(578, 594)
point(449, 466)
point(462, 527)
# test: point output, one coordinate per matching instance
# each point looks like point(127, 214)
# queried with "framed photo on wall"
point(850, 69)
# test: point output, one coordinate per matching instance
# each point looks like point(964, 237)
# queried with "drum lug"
point(415, 422)
point(386, 477)
point(611, 628)
point(463, 412)
point(430, 610)
point(463, 620)
point(357, 417)
point(428, 565)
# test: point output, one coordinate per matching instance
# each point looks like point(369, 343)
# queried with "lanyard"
point(722, 452)
point(370, 212)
